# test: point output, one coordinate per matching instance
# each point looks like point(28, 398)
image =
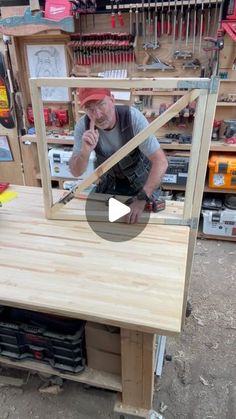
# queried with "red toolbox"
point(58, 9)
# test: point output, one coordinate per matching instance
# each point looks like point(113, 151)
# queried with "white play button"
point(116, 210)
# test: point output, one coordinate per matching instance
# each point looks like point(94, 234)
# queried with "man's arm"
point(79, 159)
point(78, 163)
point(158, 169)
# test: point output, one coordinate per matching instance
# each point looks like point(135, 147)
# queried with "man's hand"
point(89, 139)
point(136, 209)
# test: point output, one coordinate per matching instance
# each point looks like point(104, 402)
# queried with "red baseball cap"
point(87, 95)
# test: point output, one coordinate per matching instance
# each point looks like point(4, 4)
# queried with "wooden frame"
point(205, 90)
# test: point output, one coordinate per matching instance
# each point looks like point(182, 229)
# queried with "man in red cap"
point(105, 128)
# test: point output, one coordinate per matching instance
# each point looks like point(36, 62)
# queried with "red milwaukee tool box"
point(49, 339)
point(57, 9)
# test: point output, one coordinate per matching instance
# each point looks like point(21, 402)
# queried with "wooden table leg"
point(137, 358)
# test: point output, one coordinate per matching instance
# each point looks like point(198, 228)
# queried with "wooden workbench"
point(63, 267)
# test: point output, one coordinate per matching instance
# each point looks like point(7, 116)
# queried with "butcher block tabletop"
point(63, 267)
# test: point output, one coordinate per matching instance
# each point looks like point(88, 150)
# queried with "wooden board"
point(173, 212)
point(64, 267)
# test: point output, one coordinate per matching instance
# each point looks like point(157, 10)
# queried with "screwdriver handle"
point(120, 18)
point(159, 28)
point(113, 21)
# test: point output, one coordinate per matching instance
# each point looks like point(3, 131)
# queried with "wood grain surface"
point(63, 267)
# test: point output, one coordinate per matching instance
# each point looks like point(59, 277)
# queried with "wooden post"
point(34, 5)
point(42, 147)
point(137, 357)
point(209, 115)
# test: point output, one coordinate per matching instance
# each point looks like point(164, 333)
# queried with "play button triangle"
point(116, 210)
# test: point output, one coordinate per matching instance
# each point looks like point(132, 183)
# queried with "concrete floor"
point(199, 383)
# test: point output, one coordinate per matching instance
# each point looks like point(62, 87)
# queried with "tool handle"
point(184, 30)
point(165, 27)
point(176, 29)
point(113, 20)
point(120, 18)
point(169, 28)
point(158, 28)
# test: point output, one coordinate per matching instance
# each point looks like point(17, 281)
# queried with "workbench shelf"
point(158, 93)
point(89, 376)
point(166, 186)
point(59, 139)
point(220, 104)
point(215, 146)
point(201, 235)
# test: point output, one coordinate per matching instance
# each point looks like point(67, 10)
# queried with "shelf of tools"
point(198, 45)
point(115, 39)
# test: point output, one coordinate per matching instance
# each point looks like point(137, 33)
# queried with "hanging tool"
point(158, 22)
point(194, 25)
point(131, 28)
point(162, 18)
point(155, 25)
point(152, 44)
point(169, 24)
point(181, 54)
point(188, 24)
point(194, 64)
point(215, 15)
point(208, 18)
point(217, 46)
point(181, 24)
point(119, 14)
point(140, 25)
point(201, 27)
point(157, 64)
point(149, 21)
point(113, 19)
point(144, 22)
point(174, 25)
point(92, 9)
point(83, 8)
point(136, 20)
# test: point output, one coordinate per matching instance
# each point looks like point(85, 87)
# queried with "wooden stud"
point(126, 84)
point(34, 5)
point(199, 185)
point(137, 355)
point(42, 147)
point(195, 151)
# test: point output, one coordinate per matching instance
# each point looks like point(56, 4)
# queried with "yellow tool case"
point(222, 171)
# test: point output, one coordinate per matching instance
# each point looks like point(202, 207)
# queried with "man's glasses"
point(100, 106)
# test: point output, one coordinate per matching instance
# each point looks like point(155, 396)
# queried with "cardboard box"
point(103, 361)
point(103, 348)
point(99, 337)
